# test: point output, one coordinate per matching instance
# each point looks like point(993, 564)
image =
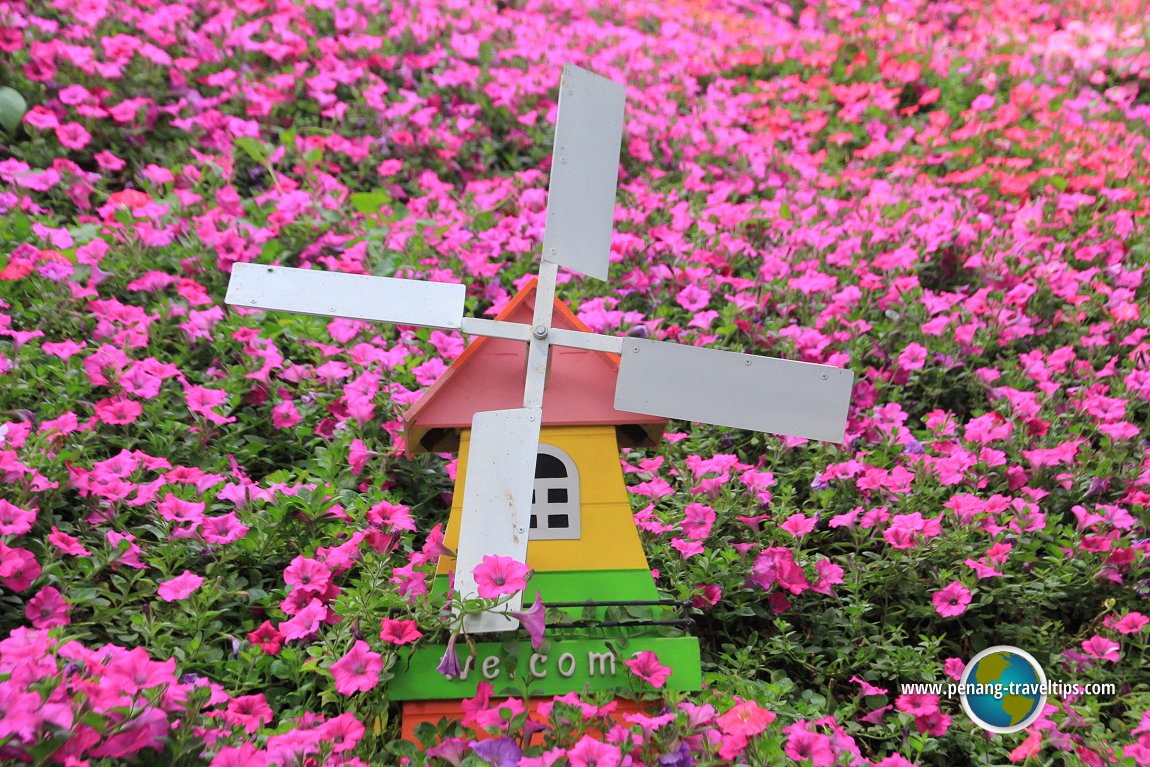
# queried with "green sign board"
point(557, 667)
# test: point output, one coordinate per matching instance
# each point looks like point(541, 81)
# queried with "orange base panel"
point(416, 712)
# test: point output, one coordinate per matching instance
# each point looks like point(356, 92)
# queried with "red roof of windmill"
point(490, 374)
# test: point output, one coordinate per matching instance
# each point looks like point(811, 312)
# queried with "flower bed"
point(213, 549)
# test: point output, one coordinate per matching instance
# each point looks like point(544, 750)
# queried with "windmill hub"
point(539, 331)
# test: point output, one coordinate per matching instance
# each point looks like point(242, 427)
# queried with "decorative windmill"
point(653, 379)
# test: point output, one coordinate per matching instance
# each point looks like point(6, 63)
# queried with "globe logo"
point(1003, 689)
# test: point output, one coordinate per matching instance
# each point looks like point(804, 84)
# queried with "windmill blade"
point(796, 399)
point(584, 171)
point(354, 296)
point(497, 500)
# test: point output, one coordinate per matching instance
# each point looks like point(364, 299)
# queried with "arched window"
point(555, 500)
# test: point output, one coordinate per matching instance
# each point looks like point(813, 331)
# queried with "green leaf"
point(12, 109)
point(785, 211)
point(403, 748)
point(45, 748)
point(270, 251)
point(369, 203)
point(84, 233)
point(254, 148)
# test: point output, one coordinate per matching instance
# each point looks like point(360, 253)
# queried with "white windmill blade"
point(584, 172)
point(796, 399)
point(354, 296)
point(497, 501)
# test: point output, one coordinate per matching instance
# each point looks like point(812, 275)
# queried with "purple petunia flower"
point(681, 758)
point(499, 752)
point(449, 665)
point(534, 620)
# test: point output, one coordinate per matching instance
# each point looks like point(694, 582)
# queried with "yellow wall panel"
point(609, 540)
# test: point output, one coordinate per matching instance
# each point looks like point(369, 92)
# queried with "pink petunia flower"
point(590, 752)
point(201, 400)
point(63, 349)
point(15, 520)
point(307, 573)
point(343, 732)
point(41, 118)
point(876, 716)
point(306, 622)
point(498, 575)
point(687, 549)
point(906, 531)
point(546, 759)
point(399, 632)
point(1102, 648)
point(646, 666)
point(746, 718)
point(433, 546)
point(951, 600)
point(176, 509)
point(917, 704)
point(133, 670)
point(411, 583)
point(709, 596)
point(894, 760)
point(913, 357)
point(777, 565)
point(67, 544)
point(223, 529)
point(395, 516)
point(697, 521)
point(19, 568)
point(108, 161)
point(807, 747)
point(868, 688)
point(267, 637)
point(285, 415)
point(1028, 748)
point(129, 554)
point(249, 712)
point(693, 298)
point(1130, 623)
point(358, 671)
point(22, 714)
point(533, 620)
point(936, 723)
point(47, 609)
point(982, 102)
point(149, 729)
point(73, 135)
point(798, 525)
point(180, 587)
point(117, 411)
point(830, 575)
point(358, 455)
point(429, 372)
